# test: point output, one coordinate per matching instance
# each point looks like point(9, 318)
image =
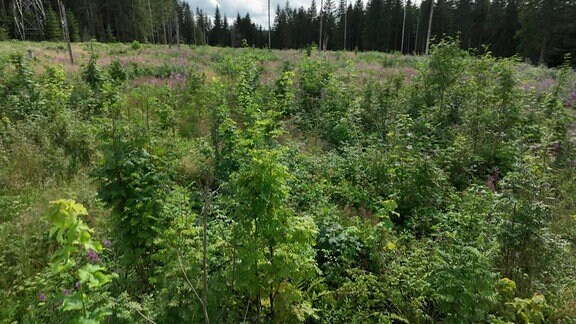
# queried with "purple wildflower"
point(77, 285)
point(107, 243)
point(42, 297)
point(571, 102)
point(92, 256)
point(556, 149)
point(491, 184)
point(544, 85)
point(493, 179)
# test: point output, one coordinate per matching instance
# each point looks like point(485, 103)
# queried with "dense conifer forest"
point(537, 30)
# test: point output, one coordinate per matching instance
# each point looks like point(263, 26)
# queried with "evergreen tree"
point(225, 32)
point(216, 37)
point(372, 25)
point(73, 27)
point(187, 29)
point(356, 25)
point(329, 23)
point(547, 44)
point(507, 27)
point(53, 28)
point(463, 21)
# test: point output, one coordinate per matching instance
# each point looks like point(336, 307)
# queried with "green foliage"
point(73, 27)
point(528, 245)
point(117, 72)
point(92, 74)
point(133, 182)
point(462, 284)
point(3, 33)
point(179, 258)
point(248, 187)
point(136, 45)
point(274, 246)
point(80, 280)
point(53, 26)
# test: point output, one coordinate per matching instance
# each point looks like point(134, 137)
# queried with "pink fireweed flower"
point(493, 179)
point(92, 256)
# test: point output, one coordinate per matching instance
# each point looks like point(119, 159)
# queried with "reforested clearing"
point(163, 185)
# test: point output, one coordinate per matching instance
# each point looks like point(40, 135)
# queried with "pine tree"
point(187, 28)
point(53, 29)
point(73, 27)
point(536, 41)
point(225, 32)
point(373, 21)
point(356, 25)
point(329, 23)
point(216, 33)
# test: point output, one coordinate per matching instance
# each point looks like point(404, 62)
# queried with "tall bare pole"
point(320, 38)
point(177, 29)
point(89, 10)
point(417, 29)
point(403, 28)
point(65, 30)
point(345, 23)
point(151, 22)
point(429, 27)
point(269, 30)
point(163, 22)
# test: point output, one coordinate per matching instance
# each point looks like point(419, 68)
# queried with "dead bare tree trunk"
point(177, 30)
point(269, 29)
point(542, 56)
point(320, 38)
point(417, 31)
point(403, 30)
point(151, 23)
point(65, 30)
point(429, 27)
point(164, 24)
point(170, 32)
point(345, 24)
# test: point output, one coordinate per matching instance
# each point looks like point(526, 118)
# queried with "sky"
point(258, 9)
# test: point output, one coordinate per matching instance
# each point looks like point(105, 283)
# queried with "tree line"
point(543, 31)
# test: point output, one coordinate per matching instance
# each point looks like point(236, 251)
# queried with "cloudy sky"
point(258, 9)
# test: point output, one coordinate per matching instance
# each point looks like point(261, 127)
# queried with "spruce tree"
point(73, 27)
point(52, 28)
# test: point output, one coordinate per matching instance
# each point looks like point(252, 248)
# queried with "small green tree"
point(274, 246)
point(134, 182)
point(76, 263)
